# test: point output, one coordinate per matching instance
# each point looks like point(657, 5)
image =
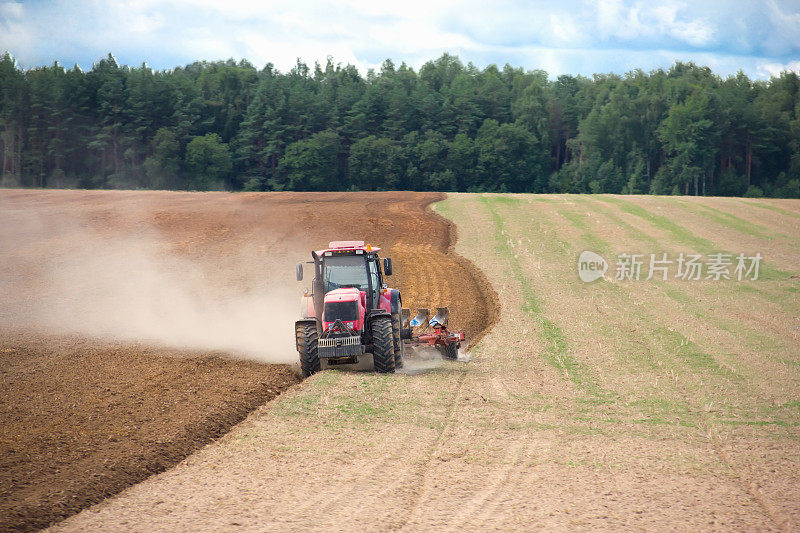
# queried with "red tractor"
point(350, 311)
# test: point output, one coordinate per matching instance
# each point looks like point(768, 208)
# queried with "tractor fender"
point(396, 302)
point(307, 307)
point(375, 313)
point(390, 301)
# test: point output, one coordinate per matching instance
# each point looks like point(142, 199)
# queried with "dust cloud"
point(60, 275)
point(420, 359)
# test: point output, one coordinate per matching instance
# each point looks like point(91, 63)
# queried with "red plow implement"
point(431, 332)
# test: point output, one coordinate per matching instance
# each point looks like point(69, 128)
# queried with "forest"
point(446, 127)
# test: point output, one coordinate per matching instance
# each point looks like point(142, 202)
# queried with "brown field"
point(135, 326)
point(655, 405)
point(613, 405)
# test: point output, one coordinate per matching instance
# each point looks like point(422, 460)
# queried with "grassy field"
point(704, 371)
point(663, 404)
point(728, 348)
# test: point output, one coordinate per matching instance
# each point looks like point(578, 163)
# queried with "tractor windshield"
point(345, 271)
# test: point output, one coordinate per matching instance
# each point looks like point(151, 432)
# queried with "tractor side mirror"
point(299, 271)
point(387, 266)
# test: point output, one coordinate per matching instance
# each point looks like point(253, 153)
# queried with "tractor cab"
point(350, 264)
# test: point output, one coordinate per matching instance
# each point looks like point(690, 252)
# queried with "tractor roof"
point(342, 246)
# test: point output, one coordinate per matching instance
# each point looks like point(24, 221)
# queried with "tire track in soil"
point(422, 485)
point(514, 478)
point(779, 519)
point(431, 283)
point(486, 500)
point(377, 470)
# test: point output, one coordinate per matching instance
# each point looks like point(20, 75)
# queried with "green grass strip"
point(770, 207)
point(677, 231)
point(687, 351)
point(726, 219)
point(597, 207)
point(553, 340)
point(686, 237)
point(579, 221)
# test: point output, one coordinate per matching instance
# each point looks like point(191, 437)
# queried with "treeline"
point(449, 127)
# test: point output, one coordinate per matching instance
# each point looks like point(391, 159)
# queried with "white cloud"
point(651, 22)
point(610, 15)
point(15, 34)
point(784, 30)
point(571, 36)
point(146, 23)
point(564, 30)
point(11, 10)
point(695, 32)
point(774, 69)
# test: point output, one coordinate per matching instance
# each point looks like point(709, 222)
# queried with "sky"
point(762, 37)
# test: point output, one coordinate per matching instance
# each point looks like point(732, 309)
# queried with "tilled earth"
point(84, 413)
point(83, 419)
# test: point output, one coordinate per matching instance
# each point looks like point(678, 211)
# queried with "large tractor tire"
point(307, 338)
point(383, 344)
point(399, 348)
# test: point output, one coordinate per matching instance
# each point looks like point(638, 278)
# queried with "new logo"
point(591, 266)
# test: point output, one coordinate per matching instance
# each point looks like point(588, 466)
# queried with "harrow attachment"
point(431, 332)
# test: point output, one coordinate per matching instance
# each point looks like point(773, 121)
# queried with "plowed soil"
point(86, 411)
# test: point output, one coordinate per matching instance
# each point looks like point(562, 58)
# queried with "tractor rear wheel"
point(383, 344)
point(399, 349)
point(307, 340)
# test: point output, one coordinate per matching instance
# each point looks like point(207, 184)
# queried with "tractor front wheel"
point(383, 344)
point(307, 340)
